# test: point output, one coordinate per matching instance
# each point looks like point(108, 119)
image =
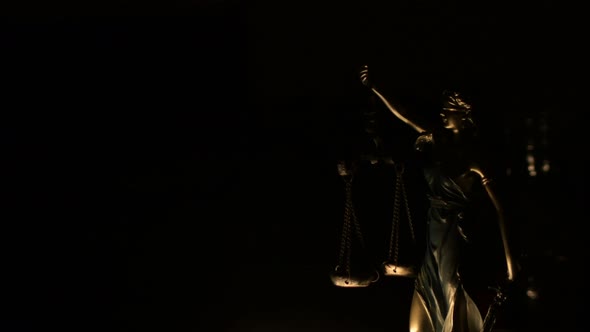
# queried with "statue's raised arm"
point(364, 76)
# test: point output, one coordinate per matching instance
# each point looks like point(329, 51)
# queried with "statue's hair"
point(453, 102)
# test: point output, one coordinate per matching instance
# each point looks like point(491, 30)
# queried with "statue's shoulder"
point(424, 139)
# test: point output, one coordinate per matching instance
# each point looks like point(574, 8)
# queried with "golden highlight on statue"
point(440, 303)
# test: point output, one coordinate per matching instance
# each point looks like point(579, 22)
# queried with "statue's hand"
point(364, 76)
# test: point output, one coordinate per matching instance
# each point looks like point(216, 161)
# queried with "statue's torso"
point(450, 181)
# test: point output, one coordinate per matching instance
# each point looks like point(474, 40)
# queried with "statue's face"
point(457, 120)
point(456, 114)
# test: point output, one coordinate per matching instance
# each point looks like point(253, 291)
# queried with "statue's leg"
point(420, 320)
point(474, 319)
point(464, 314)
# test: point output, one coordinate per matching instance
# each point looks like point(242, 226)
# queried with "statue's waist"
point(439, 203)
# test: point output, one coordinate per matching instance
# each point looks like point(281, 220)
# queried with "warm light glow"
point(531, 164)
point(530, 158)
point(532, 294)
point(546, 166)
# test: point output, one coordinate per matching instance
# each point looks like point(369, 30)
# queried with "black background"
point(171, 167)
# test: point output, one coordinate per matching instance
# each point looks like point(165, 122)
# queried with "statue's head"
point(456, 113)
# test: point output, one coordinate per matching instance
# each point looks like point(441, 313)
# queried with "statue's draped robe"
point(440, 302)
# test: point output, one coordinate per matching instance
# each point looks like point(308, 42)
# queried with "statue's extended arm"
point(364, 75)
point(510, 264)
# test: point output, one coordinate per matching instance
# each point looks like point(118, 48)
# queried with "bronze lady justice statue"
point(440, 302)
